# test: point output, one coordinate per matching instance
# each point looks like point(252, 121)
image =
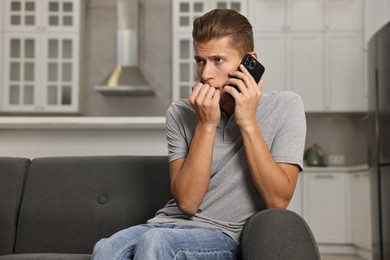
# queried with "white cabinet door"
point(305, 68)
point(60, 15)
point(184, 13)
point(21, 15)
point(305, 15)
point(361, 210)
point(326, 207)
point(271, 51)
point(296, 201)
point(60, 73)
point(283, 15)
point(45, 15)
point(20, 72)
point(344, 15)
point(41, 73)
point(267, 15)
point(332, 55)
point(183, 66)
point(344, 72)
point(1, 53)
point(40, 64)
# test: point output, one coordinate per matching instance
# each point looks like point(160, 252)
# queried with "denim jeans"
point(165, 242)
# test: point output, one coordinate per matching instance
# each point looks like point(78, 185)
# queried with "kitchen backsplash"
point(339, 134)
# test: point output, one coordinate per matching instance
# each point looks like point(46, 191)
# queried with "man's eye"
point(218, 60)
point(199, 61)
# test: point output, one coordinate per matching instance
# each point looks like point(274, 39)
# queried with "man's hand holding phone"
point(245, 86)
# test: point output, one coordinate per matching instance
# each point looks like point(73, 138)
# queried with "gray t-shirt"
point(232, 197)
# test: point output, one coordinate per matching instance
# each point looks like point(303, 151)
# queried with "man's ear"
point(254, 54)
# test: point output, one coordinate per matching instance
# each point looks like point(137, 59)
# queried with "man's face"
point(215, 59)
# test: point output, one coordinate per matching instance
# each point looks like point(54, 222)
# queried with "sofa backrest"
point(12, 174)
point(69, 203)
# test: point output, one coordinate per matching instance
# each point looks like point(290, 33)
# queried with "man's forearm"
point(274, 182)
point(192, 177)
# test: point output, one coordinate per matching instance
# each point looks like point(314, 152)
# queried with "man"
point(233, 151)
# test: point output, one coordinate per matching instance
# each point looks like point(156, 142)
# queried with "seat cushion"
point(46, 257)
point(12, 175)
point(71, 202)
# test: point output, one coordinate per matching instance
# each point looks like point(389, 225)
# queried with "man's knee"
point(100, 249)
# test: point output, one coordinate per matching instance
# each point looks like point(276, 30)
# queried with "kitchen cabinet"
point(296, 201)
point(326, 206)
point(41, 55)
point(344, 76)
point(361, 213)
point(183, 64)
point(1, 53)
point(335, 202)
point(306, 51)
point(286, 15)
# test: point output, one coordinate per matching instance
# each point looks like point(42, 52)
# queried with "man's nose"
point(207, 72)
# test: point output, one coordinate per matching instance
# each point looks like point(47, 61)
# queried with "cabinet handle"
point(328, 176)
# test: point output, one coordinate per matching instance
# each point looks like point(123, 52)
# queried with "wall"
point(339, 134)
point(100, 59)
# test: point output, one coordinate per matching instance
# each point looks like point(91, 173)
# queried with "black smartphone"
point(253, 66)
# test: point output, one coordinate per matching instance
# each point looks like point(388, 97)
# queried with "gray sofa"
point(59, 207)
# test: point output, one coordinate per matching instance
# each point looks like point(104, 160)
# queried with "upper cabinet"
point(344, 15)
point(41, 56)
point(315, 48)
point(279, 15)
point(312, 47)
point(47, 15)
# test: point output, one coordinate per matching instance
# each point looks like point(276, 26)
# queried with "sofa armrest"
point(278, 234)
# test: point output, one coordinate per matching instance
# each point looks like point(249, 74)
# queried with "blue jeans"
point(164, 242)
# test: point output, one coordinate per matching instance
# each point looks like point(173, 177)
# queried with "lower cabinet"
point(296, 201)
point(360, 213)
point(335, 202)
point(326, 207)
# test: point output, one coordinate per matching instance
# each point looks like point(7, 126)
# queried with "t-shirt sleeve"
point(176, 141)
point(289, 142)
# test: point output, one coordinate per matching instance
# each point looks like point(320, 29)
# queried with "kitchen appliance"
point(126, 77)
point(379, 139)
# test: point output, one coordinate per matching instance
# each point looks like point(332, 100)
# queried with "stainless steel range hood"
point(126, 77)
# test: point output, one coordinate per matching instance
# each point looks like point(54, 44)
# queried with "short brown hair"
point(219, 23)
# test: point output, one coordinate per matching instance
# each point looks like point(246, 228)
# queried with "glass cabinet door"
point(60, 15)
point(21, 15)
point(184, 13)
point(40, 73)
point(60, 73)
point(20, 72)
point(42, 15)
point(184, 66)
point(231, 4)
point(40, 55)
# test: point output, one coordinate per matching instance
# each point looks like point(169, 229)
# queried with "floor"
point(340, 257)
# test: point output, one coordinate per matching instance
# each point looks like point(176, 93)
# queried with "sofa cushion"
point(46, 257)
point(12, 175)
point(71, 202)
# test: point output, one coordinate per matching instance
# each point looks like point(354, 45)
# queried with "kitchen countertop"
point(26, 123)
point(334, 169)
